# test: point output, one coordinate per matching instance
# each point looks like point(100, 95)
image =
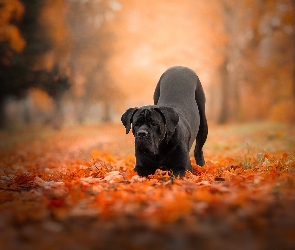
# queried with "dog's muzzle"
point(142, 133)
point(143, 142)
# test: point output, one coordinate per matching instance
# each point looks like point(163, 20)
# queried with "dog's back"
point(179, 87)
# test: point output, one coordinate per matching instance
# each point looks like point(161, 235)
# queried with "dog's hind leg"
point(200, 139)
point(203, 128)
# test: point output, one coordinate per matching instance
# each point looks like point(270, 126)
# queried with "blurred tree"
point(54, 60)
point(293, 10)
point(92, 45)
point(11, 40)
point(267, 79)
point(55, 83)
point(44, 30)
point(259, 57)
point(229, 83)
point(11, 44)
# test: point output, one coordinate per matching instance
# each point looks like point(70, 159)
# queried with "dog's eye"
point(153, 123)
point(136, 124)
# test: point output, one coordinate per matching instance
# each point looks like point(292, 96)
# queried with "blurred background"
point(67, 62)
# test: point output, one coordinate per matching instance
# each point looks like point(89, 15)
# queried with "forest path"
point(76, 189)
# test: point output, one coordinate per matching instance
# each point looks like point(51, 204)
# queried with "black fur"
point(164, 132)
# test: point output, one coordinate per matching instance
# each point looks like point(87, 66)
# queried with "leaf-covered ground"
point(76, 189)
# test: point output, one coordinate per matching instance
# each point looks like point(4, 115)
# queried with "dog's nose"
point(142, 133)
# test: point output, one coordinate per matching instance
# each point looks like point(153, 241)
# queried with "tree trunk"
point(106, 112)
point(58, 113)
point(223, 115)
point(81, 109)
point(228, 70)
point(2, 113)
point(26, 109)
point(293, 3)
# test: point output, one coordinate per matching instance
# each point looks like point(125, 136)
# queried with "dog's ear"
point(171, 120)
point(127, 118)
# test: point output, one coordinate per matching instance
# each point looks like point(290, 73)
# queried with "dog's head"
point(150, 126)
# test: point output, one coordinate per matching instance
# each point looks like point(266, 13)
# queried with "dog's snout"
point(142, 133)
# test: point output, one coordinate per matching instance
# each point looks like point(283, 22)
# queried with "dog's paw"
point(142, 171)
point(200, 161)
point(180, 173)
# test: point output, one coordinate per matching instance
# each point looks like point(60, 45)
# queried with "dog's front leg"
point(180, 168)
point(178, 161)
point(145, 165)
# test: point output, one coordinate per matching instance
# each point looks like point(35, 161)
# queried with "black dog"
point(165, 132)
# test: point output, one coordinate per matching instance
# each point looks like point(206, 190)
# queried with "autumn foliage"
point(77, 188)
point(113, 52)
